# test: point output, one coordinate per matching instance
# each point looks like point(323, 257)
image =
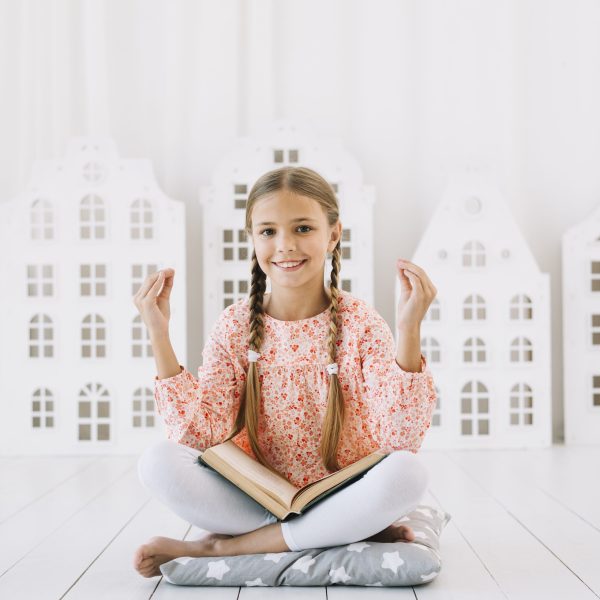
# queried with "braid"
point(334, 417)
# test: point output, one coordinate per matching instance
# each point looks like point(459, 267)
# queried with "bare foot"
point(394, 533)
point(158, 550)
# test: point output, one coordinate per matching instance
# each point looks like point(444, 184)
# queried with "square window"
point(482, 405)
point(101, 270)
point(85, 432)
point(36, 406)
point(467, 314)
point(481, 314)
point(136, 270)
point(228, 286)
point(278, 156)
point(101, 351)
point(31, 271)
point(595, 285)
point(149, 420)
point(150, 405)
point(595, 266)
point(239, 204)
point(242, 236)
point(514, 402)
point(528, 313)
point(136, 351)
point(103, 431)
point(481, 356)
point(100, 333)
point(514, 418)
point(48, 352)
point(240, 188)
point(85, 409)
point(103, 408)
point(47, 289)
point(227, 253)
point(228, 236)
point(514, 356)
point(595, 320)
point(49, 421)
point(596, 399)
point(596, 381)
point(484, 427)
point(346, 252)
point(101, 289)
point(137, 405)
point(36, 422)
point(242, 253)
point(528, 418)
point(243, 287)
point(467, 428)
point(467, 356)
point(32, 289)
point(86, 289)
point(49, 405)
point(528, 401)
point(47, 271)
point(596, 338)
point(293, 155)
point(346, 235)
point(435, 421)
point(466, 406)
point(137, 421)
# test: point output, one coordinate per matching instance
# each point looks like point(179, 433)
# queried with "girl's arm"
point(200, 411)
point(167, 364)
point(399, 402)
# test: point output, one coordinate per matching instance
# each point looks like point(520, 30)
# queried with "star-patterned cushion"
point(361, 563)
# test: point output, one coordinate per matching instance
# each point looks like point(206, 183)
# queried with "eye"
point(299, 226)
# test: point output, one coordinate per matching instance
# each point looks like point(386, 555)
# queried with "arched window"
point(93, 337)
point(92, 218)
point(474, 351)
point(521, 350)
point(474, 308)
point(41, 220)
point(93, 413)
point(521, 308)
point(521, 405)
point(41, 337)
point(141, 217)
point(143, 408)
point(431, 349)
point(474, 408)
point(433, 314)
point(42, 409)
point(473, 254)
point(141, 346)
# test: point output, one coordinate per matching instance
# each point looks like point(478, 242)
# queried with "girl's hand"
point(152, 300)
point(416, 294)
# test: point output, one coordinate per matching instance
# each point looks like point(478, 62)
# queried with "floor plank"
point(508, 479)
point(30, 526)
point(458, 558)
point(523, 568)
point(51, 568)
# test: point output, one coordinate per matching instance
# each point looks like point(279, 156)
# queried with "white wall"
point(414, 89)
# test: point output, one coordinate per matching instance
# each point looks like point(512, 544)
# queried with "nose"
point(286, 243)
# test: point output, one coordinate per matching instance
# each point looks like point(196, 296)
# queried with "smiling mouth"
point(290, 265)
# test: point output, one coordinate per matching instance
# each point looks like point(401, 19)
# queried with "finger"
point(404, 280)
point(155, 289)
point(169, 276)
point(426, 282)
point(416, 282)
point(147, 284)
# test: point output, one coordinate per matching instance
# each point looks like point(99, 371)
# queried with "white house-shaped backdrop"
point(486, 336)
point(227, 248)
point(581, 330)
point(76, 362)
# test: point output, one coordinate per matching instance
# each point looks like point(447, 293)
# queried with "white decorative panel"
point(228, 251)
point(581, 330)
point(486, 336)
point(76, 364)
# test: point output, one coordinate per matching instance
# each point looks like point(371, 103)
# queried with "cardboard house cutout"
point(486, 336)
point(76, 363)
point(228, 250)
point(581, 330)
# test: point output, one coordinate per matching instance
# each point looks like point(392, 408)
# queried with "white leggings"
point(204, 498)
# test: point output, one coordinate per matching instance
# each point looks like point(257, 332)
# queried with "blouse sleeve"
point(200, 412)
point(399, 403)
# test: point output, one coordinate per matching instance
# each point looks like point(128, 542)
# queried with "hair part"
point(304, 182)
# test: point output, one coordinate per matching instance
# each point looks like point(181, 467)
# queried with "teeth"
point(289, 264)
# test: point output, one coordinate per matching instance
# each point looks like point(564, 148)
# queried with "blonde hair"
point(304, 182)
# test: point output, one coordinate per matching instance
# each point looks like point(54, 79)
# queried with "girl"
point(305, 380)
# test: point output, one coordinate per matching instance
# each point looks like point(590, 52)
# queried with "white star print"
point(217, 569)
point(357, 547)
point(275, 557)
point(391, 560)
point(304, 563)
point(429, 576)
point(339, 574)
point(257, 582)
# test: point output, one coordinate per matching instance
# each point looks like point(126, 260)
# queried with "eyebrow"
point(292, 221)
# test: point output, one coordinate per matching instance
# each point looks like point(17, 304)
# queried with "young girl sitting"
point(305, 380)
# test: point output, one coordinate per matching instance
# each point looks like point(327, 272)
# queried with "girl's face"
point(292, 228)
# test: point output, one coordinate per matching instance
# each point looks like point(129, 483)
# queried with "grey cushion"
point(360, 563)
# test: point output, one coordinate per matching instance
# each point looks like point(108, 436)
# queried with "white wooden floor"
point(525, 525)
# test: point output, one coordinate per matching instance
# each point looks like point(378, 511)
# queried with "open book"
point(273, 491)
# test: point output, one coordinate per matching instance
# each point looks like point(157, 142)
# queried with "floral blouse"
point(385, 406)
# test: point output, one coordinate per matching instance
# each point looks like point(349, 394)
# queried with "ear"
point(334, 238)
